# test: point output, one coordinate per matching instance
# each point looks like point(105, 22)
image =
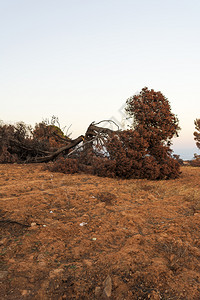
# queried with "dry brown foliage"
point(140, 152)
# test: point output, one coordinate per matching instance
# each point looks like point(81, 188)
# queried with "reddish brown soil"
point(143, 234)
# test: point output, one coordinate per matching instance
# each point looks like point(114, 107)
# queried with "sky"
point(80, 60)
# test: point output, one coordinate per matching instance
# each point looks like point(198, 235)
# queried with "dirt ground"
point(85, 237)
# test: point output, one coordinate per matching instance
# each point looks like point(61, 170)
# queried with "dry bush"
point(14, 142)
point(154, 122)
point(130, 157)
point(7, 157)
point(195, 162)
point(176, 253)
point(179, 160)
point(106, 197)
point(103, 167)
point(197, 132)
point(141, 152)
point(21, 143)
point(63, 165)
point(50, 135)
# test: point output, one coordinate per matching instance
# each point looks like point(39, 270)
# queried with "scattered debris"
point(25, 292)
point(3, 274)
point(107, 287)
point(97, 291)
point(83, 224)
point(33, 224)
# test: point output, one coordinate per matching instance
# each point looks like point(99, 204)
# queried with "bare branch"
point(53, 155)
point(108, 121)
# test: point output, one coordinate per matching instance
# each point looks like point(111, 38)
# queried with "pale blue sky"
point(81, 59)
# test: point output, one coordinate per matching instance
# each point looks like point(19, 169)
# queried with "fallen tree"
point(20, 144)
point(101, 151)
point(140, 152)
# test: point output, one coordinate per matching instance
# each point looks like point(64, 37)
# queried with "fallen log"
point(16, 146)
point(53, 155)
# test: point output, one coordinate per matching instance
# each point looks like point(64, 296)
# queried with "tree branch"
point(59, 151)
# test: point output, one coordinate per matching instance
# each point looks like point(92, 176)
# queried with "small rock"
point(41, 260)
point(24, 292)
point(154, 295)
point(97, 291)
point(3, 274)
point(40, 257)
point(107, 287)
point(55, 272)
point(87, 262)
point(83, 224)
point(33, 224)
point(2, 241)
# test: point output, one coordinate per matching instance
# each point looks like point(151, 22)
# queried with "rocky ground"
point(86, 237)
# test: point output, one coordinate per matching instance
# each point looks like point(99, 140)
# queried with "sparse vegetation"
point(61, 236)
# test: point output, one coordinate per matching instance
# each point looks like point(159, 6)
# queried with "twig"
point(109, 121)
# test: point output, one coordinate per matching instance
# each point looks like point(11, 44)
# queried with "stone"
point(107, 287)
point(24, 292)
point(87, 262)
point(55, 272)
point(3, 274)
point(97, 291)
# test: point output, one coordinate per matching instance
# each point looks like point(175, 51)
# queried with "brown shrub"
point(130, 156)
point(7, 157)
point(195, 162)
point(104, 167)
point(63, 165)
